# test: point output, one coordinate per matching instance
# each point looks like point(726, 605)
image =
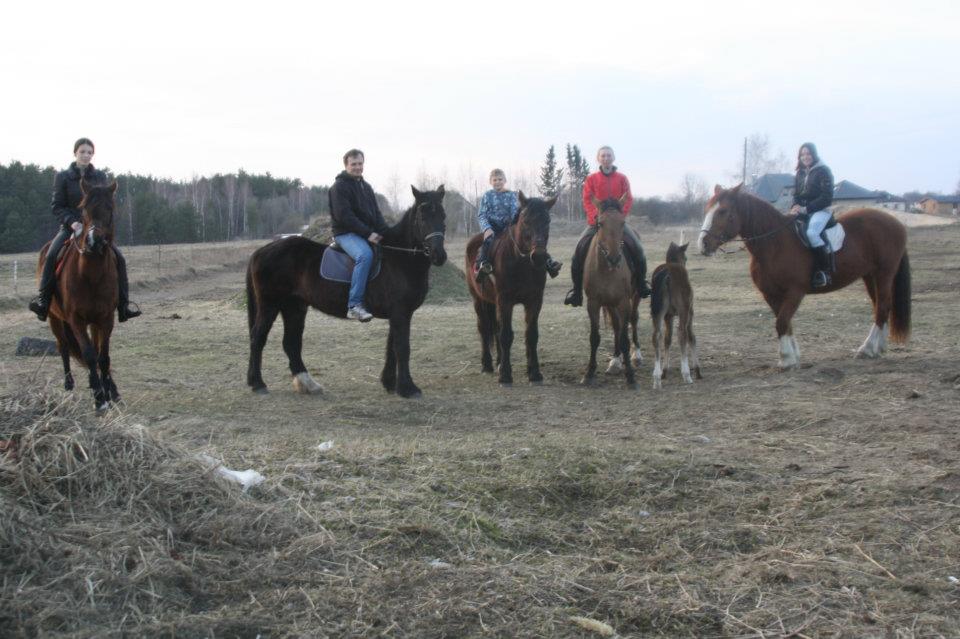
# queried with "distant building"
point(775, 188)
point(847, 195)
point(941, 205)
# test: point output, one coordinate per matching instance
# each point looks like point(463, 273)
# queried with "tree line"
point(152, 210)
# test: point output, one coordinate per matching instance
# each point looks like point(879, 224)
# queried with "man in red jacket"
point(606, 183)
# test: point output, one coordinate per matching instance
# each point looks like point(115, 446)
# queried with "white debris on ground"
point(437, 563)
point(325, 446)
point(246, 478)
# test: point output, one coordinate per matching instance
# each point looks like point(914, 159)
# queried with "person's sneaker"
point(553, 267)
point(41, 306)
point(574, 298)
point(481, 270)
point(358, 312)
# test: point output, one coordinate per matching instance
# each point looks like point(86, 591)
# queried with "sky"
point(450, 90)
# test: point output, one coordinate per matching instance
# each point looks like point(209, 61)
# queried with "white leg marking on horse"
point(882, 347)
point(303, 383)
point(657, 374)
point(685, 369)
point(637, 356)
point(787, 357)
point(870, 347)
point(615, 366)
point(796, 348)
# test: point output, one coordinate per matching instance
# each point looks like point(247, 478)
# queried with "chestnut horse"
point(85, 296)
point(875, 249)
point(519, 258)
point(673, 297)
point(283, 278)
point(607, 283)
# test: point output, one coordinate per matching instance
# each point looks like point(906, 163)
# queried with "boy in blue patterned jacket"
point(498, 210)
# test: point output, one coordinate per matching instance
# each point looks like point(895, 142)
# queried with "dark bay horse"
point(519, 258)
point(673, 297)
point(607, 283)
point(875, 250)
point(85, 297)
point(283, 278)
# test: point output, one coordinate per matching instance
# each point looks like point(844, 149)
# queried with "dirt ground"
point(818, 502)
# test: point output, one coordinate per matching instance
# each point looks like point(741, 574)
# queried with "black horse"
point(284, 277)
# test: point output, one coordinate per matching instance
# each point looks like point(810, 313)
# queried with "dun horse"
point(875, 249)
point(519, 258)
point(673, 297)
point(85, 298)
point(608, 285)
point(284, 278)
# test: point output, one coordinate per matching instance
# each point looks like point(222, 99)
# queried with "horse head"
point(610, 223)
point(97, 208)
point(677, 254)
point(533, 228)
point(430, 223)
point(722, 221)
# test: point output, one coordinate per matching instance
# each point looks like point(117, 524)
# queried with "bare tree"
point(760, 159)
point(693, 189)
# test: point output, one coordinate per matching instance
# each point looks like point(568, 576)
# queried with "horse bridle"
point(604, 251)
point(425, 249)
point(723, 239)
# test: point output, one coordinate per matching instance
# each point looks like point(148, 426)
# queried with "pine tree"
point(551, 177)
point(577, 171)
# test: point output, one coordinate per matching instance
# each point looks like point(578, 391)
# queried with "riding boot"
point(575, 295)
point(638, 267)
point(482, 266)
point(48, 281)
point(124, 311)
point(553, 266)
point(822, 267)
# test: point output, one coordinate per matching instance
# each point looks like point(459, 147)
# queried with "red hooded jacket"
point(602, 186)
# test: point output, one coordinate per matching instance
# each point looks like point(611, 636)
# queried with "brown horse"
point(283, 278)
point(608, 285)
point(673, 297)
point(519, 258)
point(85, 297)
point(875, 249)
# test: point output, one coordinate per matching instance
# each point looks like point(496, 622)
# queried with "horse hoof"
point(536, 382)
point(506, 384)
point(412, 394)
point(633, 386)
point(588, 381)
point(103, 408)
point(863, 354)
point(260, 390)
point(657, 385)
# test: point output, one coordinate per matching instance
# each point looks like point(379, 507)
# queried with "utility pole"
point(743, 178)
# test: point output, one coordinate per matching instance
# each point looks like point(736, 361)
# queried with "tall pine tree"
point(551, 177)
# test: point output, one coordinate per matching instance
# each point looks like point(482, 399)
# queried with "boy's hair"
point(498, 172)
point(605, 148)
point(352, 153)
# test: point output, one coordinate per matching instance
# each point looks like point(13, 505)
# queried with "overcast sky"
point(177, 89)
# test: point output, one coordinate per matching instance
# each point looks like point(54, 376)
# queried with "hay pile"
point(107, 529)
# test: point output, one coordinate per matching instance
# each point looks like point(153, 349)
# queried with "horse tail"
point(251, 299)
point(900, 312)
point(661, 288)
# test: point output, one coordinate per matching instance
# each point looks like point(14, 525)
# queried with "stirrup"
point(125, 312)
point(821, 279)
point(574, 298)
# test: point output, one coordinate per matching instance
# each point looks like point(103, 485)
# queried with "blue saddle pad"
point(337, 266)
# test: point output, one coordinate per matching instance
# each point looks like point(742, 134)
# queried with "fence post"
point(16, 264)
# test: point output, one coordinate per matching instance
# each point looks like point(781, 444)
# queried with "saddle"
point(833, 234)
point(337, 266)
point(63, 254)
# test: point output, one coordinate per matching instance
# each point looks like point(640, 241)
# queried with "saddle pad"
point(834, 237)
point(337, 266)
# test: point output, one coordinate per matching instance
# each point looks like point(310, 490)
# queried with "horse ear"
point(440, 191)
point(113, 187)
point(717, 190)
point(683, 247)
point(595, 201)
point(416, 194)
point(623, 198)
point(522, 198)
point(549, 202)
point(673, 245)
point(737, 188)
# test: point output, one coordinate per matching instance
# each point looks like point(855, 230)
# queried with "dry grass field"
point(822, 502)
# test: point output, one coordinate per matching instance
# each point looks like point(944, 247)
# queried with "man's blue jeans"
point(359, 249)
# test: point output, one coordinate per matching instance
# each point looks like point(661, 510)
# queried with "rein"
point(423, 250)
point(723, 240)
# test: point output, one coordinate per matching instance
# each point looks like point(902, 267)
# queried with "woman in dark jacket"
point(65, 206)
point(812, 195)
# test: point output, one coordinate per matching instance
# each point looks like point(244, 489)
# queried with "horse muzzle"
point(706, 244)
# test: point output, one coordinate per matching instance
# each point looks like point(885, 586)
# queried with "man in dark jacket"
point(357, 223)
point(66, 200)
point(812, 195)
